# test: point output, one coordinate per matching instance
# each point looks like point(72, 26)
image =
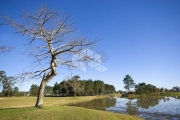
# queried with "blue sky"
point(140, 37)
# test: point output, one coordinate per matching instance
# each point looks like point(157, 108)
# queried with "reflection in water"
point(147, 102)
point(166, 108)
point(98, 104)
point(166, 99)
point(132, 108)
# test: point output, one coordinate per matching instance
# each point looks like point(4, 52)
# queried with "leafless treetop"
point(50, 38)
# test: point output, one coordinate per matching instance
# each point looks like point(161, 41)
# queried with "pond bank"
point(152, 95)
point(148, 108)
point(62, 113)
point(55, 109)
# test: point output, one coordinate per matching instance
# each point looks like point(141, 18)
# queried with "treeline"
point(7, 83)
point(70, 87)
point(75, 87)
point(7, 92)
point(140, 88)
point(145, 88)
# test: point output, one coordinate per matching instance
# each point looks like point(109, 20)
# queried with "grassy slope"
point(54, 110)
point(61, 113)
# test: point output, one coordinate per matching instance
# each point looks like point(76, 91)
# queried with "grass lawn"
point(21, 108)
point(61, 113)
point(15, 102)
point(170, 94)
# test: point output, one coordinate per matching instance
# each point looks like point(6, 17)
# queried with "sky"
point(140, 37)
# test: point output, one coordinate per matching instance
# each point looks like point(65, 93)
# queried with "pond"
point(166, 108)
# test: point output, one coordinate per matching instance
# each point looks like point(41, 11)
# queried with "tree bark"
point(74, 93)
point(67, 93)
point(40, 96)
point(8, 92)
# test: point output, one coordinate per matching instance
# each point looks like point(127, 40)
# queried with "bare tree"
point(51, 41)
point(75, 84)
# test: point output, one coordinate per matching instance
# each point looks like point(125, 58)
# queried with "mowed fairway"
point(21, 108)
point(170, 94)
point(61, 113)
point(15, 102)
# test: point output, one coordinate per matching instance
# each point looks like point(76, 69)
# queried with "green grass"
point(115, 95)
point(170, 94)
point(15, 102)
point(61, 113)
point(21, 108)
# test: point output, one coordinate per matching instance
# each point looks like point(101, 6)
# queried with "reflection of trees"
point(98, 104)
point(147, 102)
point(166, 99)
point(132, 108)
point(176, 97)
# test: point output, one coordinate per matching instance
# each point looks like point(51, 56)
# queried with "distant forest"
point(71, 87)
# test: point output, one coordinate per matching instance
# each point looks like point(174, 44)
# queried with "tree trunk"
point(67, 93)
point(8, 92)
point(45, 80)
point(40, 96)
point(74, 93)
point(97, 94)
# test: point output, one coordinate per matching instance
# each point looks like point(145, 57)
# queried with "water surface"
point(166, 108)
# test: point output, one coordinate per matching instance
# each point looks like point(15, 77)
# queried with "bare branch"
point(51, 41)
point(4, 49)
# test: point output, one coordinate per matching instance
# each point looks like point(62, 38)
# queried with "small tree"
point(2, 77)
point(82, 87)
point(7, 83)
point(15, 91)
point(166, 90)
point(75, 84)
point(99, 87)
point(56, 88)
point(48, 90)
point(34, 89)
point(129, 82)
point(109, 89)
point(65, 88)
point(142, 88)
point(89, 87)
